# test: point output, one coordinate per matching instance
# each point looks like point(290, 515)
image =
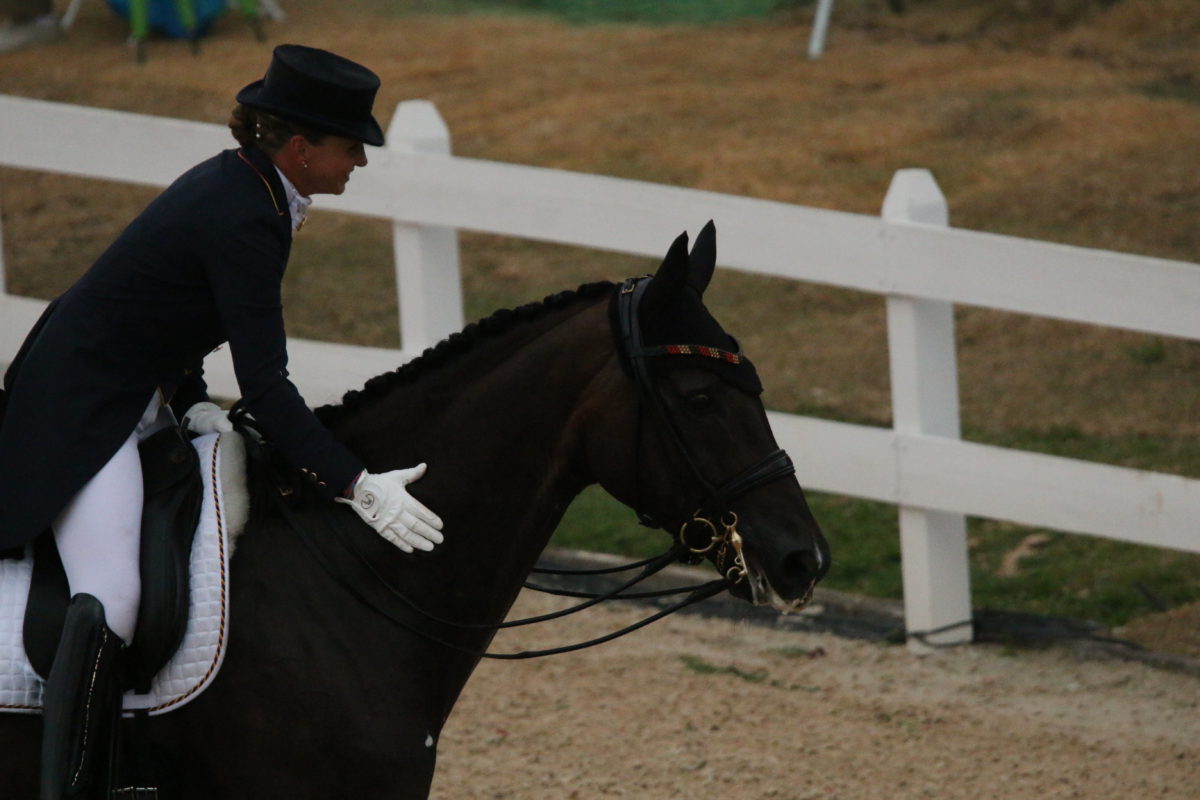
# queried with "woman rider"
point(119, 356)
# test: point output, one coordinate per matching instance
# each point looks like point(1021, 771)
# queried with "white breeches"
point(99, 532)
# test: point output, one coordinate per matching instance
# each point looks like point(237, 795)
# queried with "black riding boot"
point(81, 706)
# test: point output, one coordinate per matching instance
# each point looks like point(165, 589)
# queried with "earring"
point(304, 164)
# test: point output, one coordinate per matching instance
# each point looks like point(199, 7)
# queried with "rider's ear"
point(703, 259)
point(671, 277)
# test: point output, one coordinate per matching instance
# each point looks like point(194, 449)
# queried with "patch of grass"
point(1179, 455)
point(864, 538)
point(988, 116)
point(1150, 350)
point(623, 11)
point(322, 303)
point(703, 667)
point(502, 272)
point(1079, 577)
point(597, 522)
point(654, 11)
point(1073, 576)
point(1182, 87)
point(795, 651)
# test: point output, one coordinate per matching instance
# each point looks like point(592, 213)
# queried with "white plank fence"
point(908, 254)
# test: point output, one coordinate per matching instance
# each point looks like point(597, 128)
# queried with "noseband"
point(713, 527)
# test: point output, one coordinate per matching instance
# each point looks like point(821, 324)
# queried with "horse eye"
point(700, 402)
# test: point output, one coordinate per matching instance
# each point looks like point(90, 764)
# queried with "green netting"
point(660, 11)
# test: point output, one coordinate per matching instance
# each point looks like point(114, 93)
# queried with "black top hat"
point(319, 89)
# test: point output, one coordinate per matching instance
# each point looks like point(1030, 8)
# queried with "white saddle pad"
point(195, 664)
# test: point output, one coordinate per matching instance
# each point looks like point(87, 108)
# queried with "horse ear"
point(703, 259)
point(671, 277)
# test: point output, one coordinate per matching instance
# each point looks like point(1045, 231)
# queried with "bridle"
point(724, 545)
point(713, 526)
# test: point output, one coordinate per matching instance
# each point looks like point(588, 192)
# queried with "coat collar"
point(298, 204)
point(262, 165)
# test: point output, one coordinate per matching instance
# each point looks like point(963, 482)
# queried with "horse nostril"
point(804, 565)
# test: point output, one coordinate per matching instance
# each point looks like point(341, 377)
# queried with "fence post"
point(816, 42)
point(428, 284)
point(924, 374)
point(3, 277)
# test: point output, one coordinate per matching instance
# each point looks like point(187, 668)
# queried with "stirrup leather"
point(81, 706)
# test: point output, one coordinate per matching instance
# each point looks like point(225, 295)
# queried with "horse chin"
point(762, 593)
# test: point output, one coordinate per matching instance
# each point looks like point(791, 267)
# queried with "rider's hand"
point(384, 504)
point(205, 417)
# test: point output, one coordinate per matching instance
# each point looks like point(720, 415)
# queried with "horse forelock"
point(449, 349)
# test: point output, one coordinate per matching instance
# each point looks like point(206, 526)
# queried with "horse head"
point(706, 465)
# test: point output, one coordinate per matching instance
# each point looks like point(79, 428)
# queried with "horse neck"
point(500, 428)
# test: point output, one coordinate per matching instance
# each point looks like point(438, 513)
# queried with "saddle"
point(195, 507)
point(171, 511)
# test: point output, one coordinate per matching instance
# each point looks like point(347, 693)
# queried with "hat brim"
point(366, 131)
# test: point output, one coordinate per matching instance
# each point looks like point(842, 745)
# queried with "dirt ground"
point(700, 708)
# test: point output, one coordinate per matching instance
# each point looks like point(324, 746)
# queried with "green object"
point(187, 13)
point(139, 16)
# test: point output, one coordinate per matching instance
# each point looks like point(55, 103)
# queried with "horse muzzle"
point(784, 581)
point(761, 591)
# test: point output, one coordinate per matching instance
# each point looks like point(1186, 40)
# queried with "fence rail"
point(908, 255)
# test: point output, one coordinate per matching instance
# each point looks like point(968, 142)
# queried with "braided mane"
point(456, 344)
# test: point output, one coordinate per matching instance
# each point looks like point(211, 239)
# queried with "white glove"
point(384, 504)
point(205, 417)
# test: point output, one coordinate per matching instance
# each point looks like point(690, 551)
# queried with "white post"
point(68, 18)
point(271, 10)
point(816, 42)
point(924, 373)
point(3, 277)
point(428, 285)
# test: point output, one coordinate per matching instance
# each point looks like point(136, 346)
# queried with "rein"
point(285, 497)
point(697, 594)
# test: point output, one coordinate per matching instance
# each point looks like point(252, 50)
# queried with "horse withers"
point(346, 656)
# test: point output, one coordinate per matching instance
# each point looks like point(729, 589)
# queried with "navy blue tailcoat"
point(200, 266)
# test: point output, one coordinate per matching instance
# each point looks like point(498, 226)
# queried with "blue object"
point(166, 19)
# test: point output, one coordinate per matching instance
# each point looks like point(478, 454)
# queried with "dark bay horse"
point(634, 387)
